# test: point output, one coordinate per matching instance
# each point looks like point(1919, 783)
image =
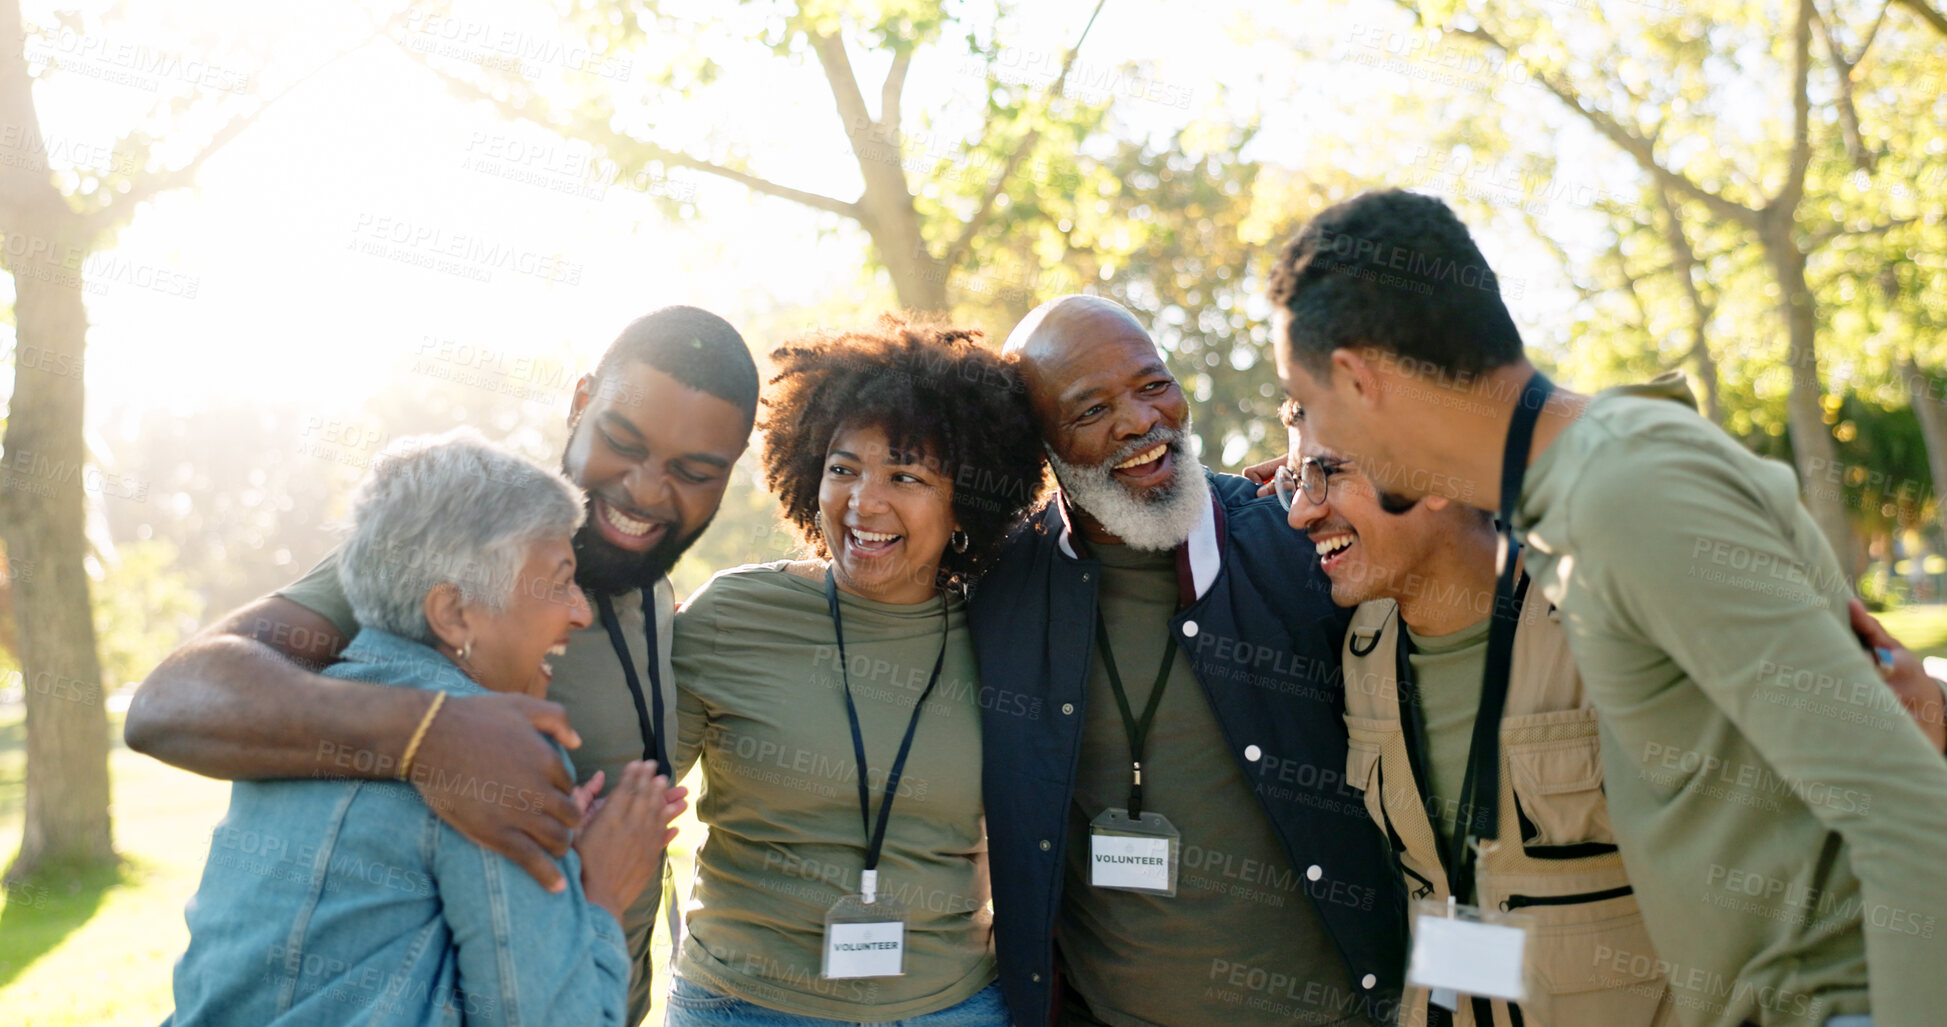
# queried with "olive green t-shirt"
point(764, 709)
point(1447, 673)
point(1142, 959)
point(590, 686)
point(1783, 821)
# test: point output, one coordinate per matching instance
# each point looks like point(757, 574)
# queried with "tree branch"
point(1793, 188)
point(1925, 11)
point(890, 91)
point(26, 186)
point(844, 84)
point(971, 230)
point(1626, 139)
point(1684, 257)
point(118, 212)
point(1827, 235)
point(620, 143)
point(1862, 158)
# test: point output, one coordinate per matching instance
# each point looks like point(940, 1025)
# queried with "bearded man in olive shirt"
point(1147, 571)
point(653, 435)
point(1780, 815)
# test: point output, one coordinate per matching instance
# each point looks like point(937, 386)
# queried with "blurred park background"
point(246, 244)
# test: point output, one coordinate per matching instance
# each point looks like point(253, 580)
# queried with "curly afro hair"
point(931, 389)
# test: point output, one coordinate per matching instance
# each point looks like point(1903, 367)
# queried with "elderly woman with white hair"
point(341, 901)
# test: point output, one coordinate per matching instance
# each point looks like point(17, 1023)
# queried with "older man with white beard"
point(1171, 837)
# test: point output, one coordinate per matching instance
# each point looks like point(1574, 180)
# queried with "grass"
point(98, 950)
point(89, 950)
point(1922, 629)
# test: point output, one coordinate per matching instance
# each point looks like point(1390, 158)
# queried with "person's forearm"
point(228, 707)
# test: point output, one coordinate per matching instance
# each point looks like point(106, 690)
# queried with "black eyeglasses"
point(1313, 478)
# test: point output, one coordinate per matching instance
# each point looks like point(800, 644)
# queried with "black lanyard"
point(1138, 731)
point(652, 731)
point(1480, 795)
point(1412, 720)
point(1412, 723)
point(875, 836)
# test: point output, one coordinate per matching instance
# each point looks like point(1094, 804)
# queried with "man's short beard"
point(1161, 520)
point(603, 568)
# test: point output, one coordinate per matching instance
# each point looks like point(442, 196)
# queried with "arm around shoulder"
point(240, 701)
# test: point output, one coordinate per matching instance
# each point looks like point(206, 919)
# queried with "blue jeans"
point(692, 1005)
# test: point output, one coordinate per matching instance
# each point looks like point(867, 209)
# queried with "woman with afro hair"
point(834, 702)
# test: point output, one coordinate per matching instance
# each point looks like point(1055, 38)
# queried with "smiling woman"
point(821, 694)
point(462, 576)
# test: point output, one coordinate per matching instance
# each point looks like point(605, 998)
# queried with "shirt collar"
point(402, 661)
point(1197, 560)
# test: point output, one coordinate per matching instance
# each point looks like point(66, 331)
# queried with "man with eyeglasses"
point(1780, 814)
point(1423, 584)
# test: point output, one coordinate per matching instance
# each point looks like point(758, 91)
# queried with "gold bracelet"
point(412, 747)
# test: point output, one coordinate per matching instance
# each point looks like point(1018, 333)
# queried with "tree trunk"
point(1928, 407)
point(42, 506)
point(919, 279)
point(1821, 479)
point(67, 726)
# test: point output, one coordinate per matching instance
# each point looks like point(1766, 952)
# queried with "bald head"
point(1068, 321)
point(1070, 339)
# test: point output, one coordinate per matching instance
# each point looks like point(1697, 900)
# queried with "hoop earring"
point(960, 541)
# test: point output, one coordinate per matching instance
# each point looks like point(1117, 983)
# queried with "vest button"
point(1068, 708)
point(1036, 978)
point(1252, 753)
point(1044, 845)
point(1368, 981)
point(1189, 629)
point(1313, 873)
point(1084, 575)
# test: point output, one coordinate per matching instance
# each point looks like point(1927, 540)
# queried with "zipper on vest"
point(1514, 902)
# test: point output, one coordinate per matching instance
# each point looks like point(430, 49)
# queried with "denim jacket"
point(339, 901)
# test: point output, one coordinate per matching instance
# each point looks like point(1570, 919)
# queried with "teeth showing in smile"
point(555, 650)
point(1333, 545)
point(623, 523)
point(873, 536)
point(1144, 457)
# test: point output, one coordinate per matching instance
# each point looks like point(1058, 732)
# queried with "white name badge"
point(865, 949)
point(1133, 855)
point(864, 936)
point(1464, 949)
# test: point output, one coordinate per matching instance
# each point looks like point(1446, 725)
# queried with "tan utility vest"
point(1554, 858)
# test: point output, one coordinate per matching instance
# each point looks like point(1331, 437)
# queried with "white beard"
point(1160, 522)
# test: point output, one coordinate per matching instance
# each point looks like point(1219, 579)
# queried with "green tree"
point(922, 226)
point(1731, 190)
point(52, 220)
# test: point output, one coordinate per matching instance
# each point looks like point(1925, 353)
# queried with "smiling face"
point(1109, 403)
point(1116, 424)
point(509, 650)
point(886, 517)
point(1344, 414)
point(654, 456)
point(1367, 552)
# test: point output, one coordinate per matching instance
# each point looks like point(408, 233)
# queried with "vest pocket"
point(1596, 973)
point(1364, 741)
point(1556, 775)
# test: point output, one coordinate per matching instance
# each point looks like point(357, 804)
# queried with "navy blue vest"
point(1261, 632)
